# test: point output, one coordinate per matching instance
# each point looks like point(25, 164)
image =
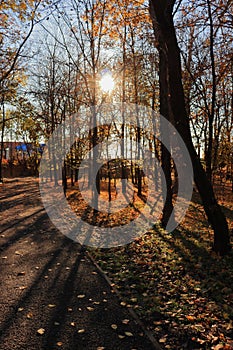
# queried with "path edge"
point(147, 332)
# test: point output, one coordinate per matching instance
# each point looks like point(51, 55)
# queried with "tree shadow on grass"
point(201, 264)
point(180, 278)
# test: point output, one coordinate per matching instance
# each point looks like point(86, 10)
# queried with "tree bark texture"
point(165, 35)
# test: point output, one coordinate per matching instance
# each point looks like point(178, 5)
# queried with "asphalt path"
point(52, 294)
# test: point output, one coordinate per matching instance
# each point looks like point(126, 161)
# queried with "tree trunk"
point(161, 12)
point(165, 111)
point(2, 140)
point(64, 178)
point(213, 97)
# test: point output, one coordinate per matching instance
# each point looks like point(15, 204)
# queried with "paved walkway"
point(52, 295)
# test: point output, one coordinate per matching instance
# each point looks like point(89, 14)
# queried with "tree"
point(206, 72)
point(163, 21)
point(8, 93)
point(17, 23)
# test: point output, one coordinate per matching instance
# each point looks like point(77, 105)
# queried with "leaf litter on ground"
point(181, 290)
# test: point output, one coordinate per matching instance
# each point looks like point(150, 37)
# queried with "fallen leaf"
point(17, 253)
point(89, 308)
point(162, 340)
point(114, 326)
point(125, 321)
point(22, 273)
point(81, 296)
point(129, 334)
point(134, 300)
point(51, 306)
point(80, 331)
point(190, 318)
point(218, 347)
point(41, 331)
point(121, 336)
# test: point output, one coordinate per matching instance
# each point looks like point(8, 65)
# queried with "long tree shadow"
point(15, 222)
point(26, 230)
point(226, 210)
point(67, 292)
point(199, 263)
point(179, 270)
point(10, 318)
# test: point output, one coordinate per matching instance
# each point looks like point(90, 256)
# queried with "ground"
point(52, 295)
point(181, 290)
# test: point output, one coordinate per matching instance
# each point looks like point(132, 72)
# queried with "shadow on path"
point(48, 282)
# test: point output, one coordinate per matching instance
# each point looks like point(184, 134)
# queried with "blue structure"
point(22, 147)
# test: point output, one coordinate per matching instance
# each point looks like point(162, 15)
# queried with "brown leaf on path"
point(121, 336)
point(18, 253)
point(114, 326)
point(129, 334)
point(89, 308)
point(21, 273)
point(125, 321)
point(81, 296)
point(51, 306)
point(22, 287)
point(162, 340)
point(80, 331)
point(41, 331)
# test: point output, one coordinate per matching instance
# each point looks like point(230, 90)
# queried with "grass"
point(181, 290)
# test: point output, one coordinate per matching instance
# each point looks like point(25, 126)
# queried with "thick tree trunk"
point(161, 12)
point(165, 111)
point(166, 187)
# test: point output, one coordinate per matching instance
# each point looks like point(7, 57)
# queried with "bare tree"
point(162, 17)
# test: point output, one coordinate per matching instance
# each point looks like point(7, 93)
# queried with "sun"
point(107, 83)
